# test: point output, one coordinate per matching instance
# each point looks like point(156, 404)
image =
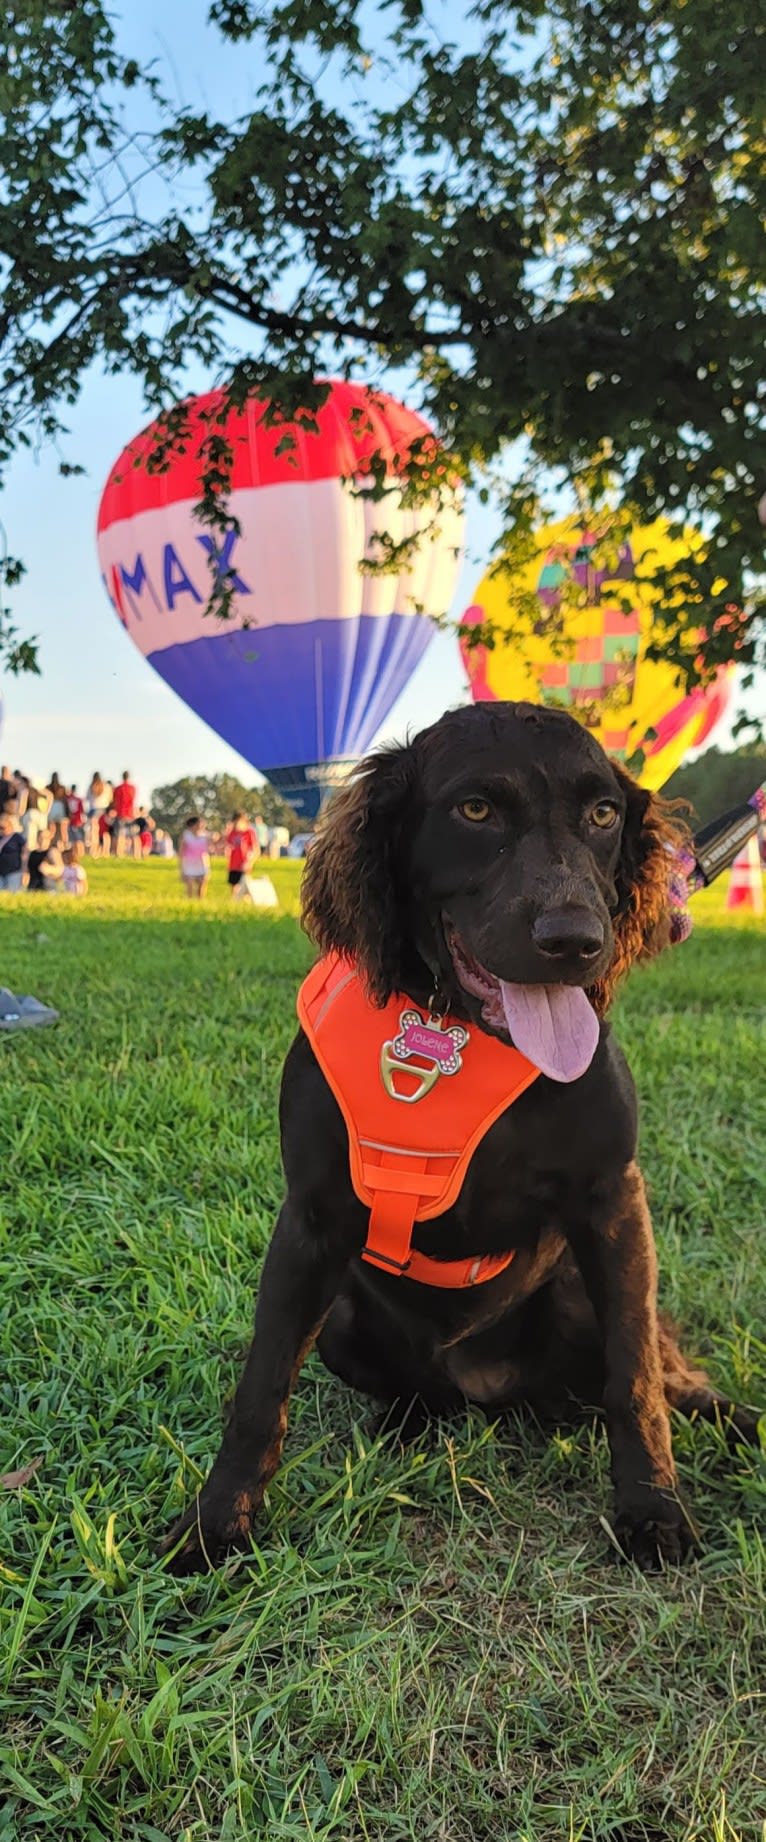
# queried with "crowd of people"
point(47, 828)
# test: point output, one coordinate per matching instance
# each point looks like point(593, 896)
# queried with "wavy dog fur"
point(654, 832)
point(396, 877)
point(354, 894)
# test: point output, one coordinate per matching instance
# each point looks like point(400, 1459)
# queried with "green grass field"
point(427, 1647)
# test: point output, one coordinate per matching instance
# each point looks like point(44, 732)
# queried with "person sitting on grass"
point(45, 866)
point(74, 880)
point(11, 854)
point(194, 855)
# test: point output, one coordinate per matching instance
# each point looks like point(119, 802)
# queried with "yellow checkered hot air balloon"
point(580, 615)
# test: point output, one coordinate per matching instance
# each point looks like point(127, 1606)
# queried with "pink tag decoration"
point(419, 1036)
point(422, 1039)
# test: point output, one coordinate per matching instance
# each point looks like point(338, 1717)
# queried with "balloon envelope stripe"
point(344, 677)
point(299, 557)
point(340, 446)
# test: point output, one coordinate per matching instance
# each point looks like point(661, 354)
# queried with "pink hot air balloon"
point(301, 677)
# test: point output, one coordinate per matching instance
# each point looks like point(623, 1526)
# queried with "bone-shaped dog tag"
point(433, 1045)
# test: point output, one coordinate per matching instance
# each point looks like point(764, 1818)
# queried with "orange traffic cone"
point(746, 879)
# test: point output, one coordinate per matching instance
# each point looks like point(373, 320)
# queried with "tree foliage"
point(215, 798)
point(716, 781)
point(550, 224)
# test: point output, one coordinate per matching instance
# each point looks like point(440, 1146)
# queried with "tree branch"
point(271, 320)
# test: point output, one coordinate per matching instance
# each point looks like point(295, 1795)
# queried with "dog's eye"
point(605, 814)
point(477, 810)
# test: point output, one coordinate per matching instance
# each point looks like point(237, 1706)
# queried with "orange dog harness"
point(417, 1095)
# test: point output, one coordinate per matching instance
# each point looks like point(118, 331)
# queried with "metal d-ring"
point(390, 1064)
point(438, 1003)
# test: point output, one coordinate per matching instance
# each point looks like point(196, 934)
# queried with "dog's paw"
point(218, 1522)
point(657, 1534)
point(402, 1423)
point(740, 1425)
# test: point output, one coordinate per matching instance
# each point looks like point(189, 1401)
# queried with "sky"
point(97, 704)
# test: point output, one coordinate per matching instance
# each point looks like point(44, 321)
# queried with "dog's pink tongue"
point(555, 1026)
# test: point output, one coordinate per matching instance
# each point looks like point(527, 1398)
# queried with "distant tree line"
point(717, 781)
point(215, 797)
point(711, 784)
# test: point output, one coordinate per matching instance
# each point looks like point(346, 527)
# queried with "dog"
point(502, 870)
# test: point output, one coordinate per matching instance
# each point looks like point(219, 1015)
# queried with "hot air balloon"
point(316, 651)
point(581, 644)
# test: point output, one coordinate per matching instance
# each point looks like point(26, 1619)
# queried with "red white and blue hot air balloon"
point(302, 675)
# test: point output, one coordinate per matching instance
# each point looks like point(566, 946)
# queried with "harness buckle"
point(385, 1261)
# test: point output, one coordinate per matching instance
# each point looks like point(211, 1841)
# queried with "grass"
point(428, 1647)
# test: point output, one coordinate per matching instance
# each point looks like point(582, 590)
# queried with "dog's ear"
point(353, 898)
point(652, 836)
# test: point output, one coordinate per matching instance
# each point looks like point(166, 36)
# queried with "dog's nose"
point(568, 933)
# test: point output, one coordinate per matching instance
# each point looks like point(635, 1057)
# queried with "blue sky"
point(97, 703)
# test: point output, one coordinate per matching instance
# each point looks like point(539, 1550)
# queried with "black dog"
point(502, 863)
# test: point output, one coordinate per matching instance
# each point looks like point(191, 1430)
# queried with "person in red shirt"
point(76, 810)
point(242, 848)
point(124, 802)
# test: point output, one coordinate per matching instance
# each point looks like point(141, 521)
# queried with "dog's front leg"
point(301, 1276)
point(617, 1258)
